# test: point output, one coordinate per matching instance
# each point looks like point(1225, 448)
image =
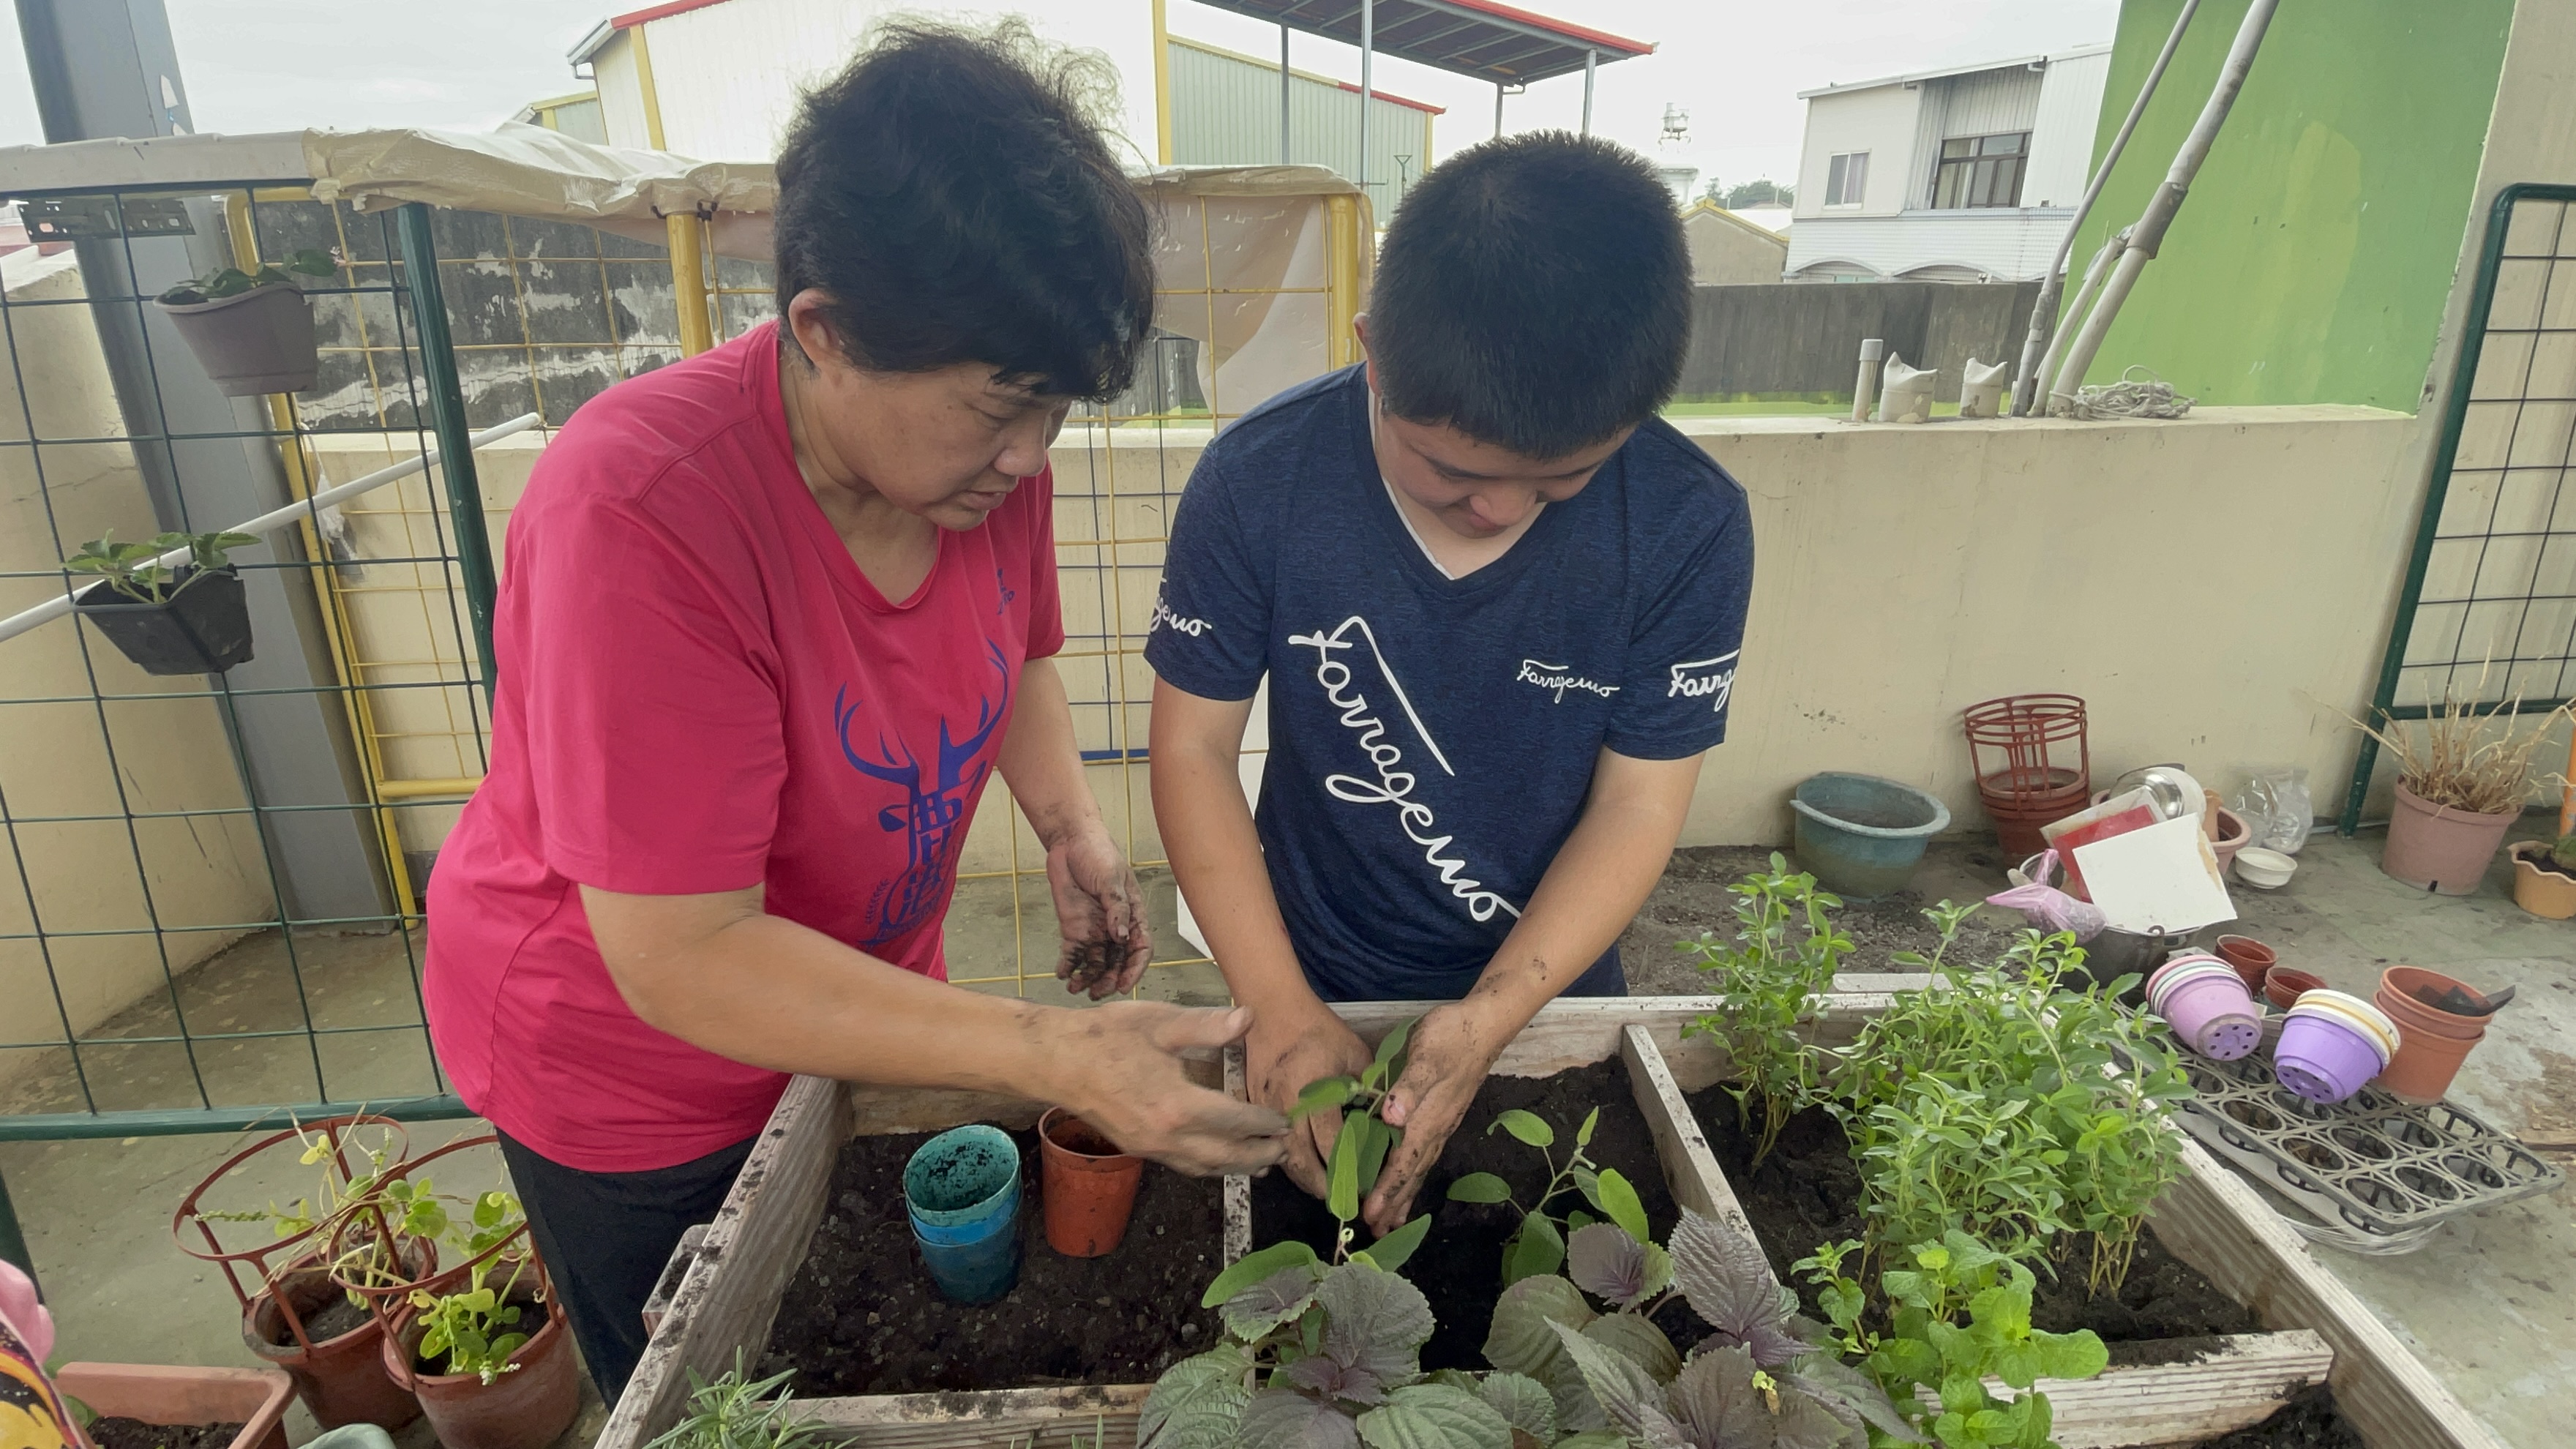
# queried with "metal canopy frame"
point(1490, 42)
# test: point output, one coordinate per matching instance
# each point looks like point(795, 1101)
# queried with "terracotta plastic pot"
point(2434, 1043)
point(527, 1408)
point(1088, 1184)
point(2283, 986)
point(2232, 835)
point(2544, 893)
point(2441, 849)
point(176, 1396)
point(2250, 957)
point(341, 1379)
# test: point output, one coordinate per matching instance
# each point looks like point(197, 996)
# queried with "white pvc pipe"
point(2149, 233)
point(2043, 312)
point(275, 519)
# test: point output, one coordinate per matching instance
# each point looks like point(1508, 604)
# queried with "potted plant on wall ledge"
point(2544, 877)
point(192, 619)
point(2461, 784)
point(251, 331)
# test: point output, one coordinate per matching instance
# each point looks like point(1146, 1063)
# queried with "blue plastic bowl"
point(1862, 836)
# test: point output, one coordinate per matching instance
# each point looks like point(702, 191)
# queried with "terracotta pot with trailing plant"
point(166, 616)
point(251, 331)
point(2544, 877)
point(138, 1404)
point(489, 1353)
point(2461, 784)
point(293, 1315)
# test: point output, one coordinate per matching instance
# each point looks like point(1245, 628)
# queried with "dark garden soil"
point(1807, 1193)
point(1691, 898)
point(117, 1433)
point(861, 1316)
point(336, 1316)
point(1460, 1265)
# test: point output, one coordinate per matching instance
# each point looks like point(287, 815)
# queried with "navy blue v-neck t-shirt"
point(1432, 739)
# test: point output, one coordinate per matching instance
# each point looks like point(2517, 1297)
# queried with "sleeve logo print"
point(1165, 618)
point(1710, 679)
point(1558, 678)
point(1394, 784)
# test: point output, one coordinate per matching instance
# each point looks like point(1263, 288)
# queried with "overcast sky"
point(1735, 65)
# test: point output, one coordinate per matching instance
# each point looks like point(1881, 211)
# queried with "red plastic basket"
point(2030, 755)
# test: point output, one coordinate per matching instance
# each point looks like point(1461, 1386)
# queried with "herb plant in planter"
point(508, 1379)
point(2544, 877)
point(1539, 1245)
point(191, 619)
point(1786, 954)
point(251, 331)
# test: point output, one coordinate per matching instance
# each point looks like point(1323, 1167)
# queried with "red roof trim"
point(634, 18)
point(1378, 94)
point(1576, 33)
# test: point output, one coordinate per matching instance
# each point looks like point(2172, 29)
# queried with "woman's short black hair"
point(953, 193)
point(1534, 292)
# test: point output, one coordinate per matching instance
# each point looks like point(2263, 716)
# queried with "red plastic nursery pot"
point(1088, 1185)
point(2250, 957)
point(2439, 848)
point(2283, 986)
point(527, 1408)
point(2434, 1042)
point(176, 1396)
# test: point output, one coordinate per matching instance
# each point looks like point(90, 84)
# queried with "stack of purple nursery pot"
point(2205, 1002)
point(2331, 1044)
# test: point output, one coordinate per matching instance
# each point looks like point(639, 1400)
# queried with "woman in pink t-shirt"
point(771, 619)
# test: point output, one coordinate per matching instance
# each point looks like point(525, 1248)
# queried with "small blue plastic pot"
point(1862, 836)
point(962, 1192)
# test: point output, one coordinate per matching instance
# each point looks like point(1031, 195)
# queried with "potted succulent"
point(2544, 877)
point(2460, 786)
point(251, 331)
point(191, 619)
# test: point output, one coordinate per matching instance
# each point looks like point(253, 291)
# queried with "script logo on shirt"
point(1164, 618)
point(1709, 679)
point(1558, 678)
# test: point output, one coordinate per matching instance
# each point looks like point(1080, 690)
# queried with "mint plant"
point(1537, 1246)
point(1926, 1347)
point(475, 1327)
point(1359, 1150)
point(2018, 1103)
point(1787, 950)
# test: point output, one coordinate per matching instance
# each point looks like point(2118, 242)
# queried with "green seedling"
point(225, 282)
point(135, 570)
point(1538, 1245)
point(2563, 854)
point(1360, 1149)
point(1770, 983)
point(1928, 1346)
point(474, 1327)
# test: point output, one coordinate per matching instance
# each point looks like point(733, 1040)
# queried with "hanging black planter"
point(201, 628)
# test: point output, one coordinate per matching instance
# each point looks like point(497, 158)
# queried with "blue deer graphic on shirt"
point(933, 818)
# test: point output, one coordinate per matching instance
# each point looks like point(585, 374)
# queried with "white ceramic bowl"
point(2265, 870)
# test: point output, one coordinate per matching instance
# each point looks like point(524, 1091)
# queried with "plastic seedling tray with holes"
point(2375, 1167)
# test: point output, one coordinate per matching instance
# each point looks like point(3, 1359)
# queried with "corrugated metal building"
point(1225, 112)
point(1965, 174)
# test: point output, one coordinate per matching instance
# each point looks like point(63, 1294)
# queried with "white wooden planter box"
point(728, 1293)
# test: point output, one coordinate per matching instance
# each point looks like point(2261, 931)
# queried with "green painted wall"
point(2311, 261)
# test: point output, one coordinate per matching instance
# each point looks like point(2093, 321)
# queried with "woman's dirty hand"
point(1100, 909)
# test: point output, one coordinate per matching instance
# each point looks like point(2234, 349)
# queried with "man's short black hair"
point(1534, 293)
point(953, 192)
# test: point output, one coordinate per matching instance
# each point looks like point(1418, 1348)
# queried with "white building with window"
point(1962, 175)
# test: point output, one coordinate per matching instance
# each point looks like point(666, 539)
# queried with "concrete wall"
point(2312, 260)
point(169, 755)
point(1790, 340)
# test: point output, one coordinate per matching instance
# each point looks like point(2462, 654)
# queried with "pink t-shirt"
point(699, 691)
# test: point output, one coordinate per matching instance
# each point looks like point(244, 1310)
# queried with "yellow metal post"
point(689, 282)
point(1341, 278)
point(1162, 88)
point(650, 94)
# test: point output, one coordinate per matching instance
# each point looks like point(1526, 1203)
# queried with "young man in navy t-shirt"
point(1499, 603)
